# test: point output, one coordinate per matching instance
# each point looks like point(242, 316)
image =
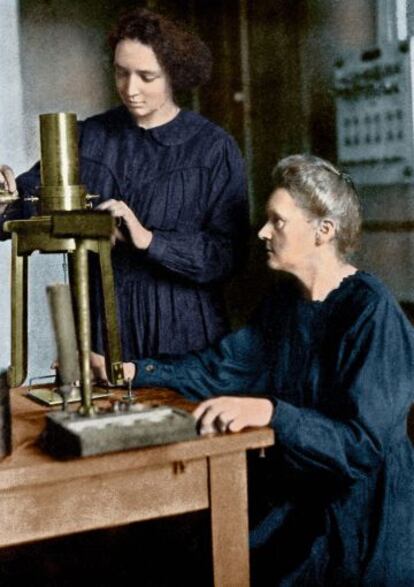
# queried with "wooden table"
point(41, 497)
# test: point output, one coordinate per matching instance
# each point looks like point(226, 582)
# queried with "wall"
point(12, 144)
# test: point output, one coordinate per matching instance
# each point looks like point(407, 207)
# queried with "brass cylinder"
point(59, 166)
point(59, 149)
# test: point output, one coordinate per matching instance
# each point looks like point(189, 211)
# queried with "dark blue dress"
point(185, 181)
point(335, 502)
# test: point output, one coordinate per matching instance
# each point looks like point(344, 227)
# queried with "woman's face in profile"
point(289, 233)
point(141, 82)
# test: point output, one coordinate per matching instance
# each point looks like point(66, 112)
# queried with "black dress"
point(333, 502)
point(185, 181)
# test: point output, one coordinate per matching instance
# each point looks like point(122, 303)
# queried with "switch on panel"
point(374, 107)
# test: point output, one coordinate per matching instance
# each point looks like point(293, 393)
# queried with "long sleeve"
point(235, 366)
point(212, 252)
point(365, 407)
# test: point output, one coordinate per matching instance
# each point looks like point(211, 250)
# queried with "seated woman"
point(328, 362)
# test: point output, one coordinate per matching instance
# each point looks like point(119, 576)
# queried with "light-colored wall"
point(52, 54)
point(12, 144)
point(64, 64)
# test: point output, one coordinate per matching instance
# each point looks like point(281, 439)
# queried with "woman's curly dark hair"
point(184, 57)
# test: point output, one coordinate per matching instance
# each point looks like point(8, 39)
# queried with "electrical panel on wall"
point(374, 105)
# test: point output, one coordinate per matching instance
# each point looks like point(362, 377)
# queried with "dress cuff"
point(285, 420)
point(151, 373)
point(157, 247)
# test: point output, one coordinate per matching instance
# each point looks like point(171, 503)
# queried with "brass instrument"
point(59, 164)
point(64, 225)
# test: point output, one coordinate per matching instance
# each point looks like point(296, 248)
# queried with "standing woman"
point(176, 183)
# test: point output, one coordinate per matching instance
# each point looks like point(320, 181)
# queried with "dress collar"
point(175, 132)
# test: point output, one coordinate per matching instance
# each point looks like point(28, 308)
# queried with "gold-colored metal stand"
point(64, 226)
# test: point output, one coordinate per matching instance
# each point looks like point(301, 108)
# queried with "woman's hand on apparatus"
point(98, 367)
point(129, 371)
point(140, 236)
point(7, 178)
point(7, 183)
point(232, 414)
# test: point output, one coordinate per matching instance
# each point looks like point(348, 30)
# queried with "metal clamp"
point(8, 198)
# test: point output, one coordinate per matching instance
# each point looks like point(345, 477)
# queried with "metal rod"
point(84, 326)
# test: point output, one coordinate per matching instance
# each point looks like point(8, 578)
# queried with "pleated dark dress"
point(185, 181)
point(332, 504)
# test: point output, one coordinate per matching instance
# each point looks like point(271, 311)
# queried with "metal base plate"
point(50, 397)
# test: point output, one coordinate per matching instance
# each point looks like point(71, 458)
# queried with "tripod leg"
point(18, 369)
point(80, 270)
point(113, 341)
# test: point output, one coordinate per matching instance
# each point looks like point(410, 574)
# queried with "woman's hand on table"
point(232, 414)
point(140, 236)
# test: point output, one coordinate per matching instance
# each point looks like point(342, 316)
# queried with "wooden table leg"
point(229, 520)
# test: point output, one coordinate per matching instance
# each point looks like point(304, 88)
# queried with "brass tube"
point(59, 149)
point(59, 165)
